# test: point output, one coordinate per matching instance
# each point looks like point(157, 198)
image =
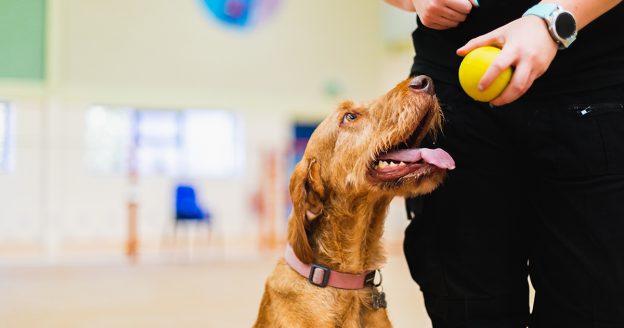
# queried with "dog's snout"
point(422, 83)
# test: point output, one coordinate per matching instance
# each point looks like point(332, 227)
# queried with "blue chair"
point(190, 215)
point(187, 207)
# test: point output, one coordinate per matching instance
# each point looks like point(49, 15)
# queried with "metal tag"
point(379, 299)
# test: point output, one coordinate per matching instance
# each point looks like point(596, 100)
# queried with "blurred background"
point(146, 147)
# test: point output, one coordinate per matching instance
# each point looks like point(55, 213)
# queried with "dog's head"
point(369, 150)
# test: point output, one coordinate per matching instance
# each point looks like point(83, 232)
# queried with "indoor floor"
point(164, 293)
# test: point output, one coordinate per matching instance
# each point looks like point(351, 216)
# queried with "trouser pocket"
point(590, 137)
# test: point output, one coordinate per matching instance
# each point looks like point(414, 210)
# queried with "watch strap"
point(542, 10)
point(549, 13)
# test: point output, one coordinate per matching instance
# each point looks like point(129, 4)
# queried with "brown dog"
point(356, 161)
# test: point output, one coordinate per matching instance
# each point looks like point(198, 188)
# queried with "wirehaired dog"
point(357, 160)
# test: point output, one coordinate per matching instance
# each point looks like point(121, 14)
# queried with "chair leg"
point(168, 237)
point(192, 235)
point(209, 230)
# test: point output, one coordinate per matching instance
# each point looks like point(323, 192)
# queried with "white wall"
point(121, 48)
point(20, 191)
point(52, 199)
point(169, 54)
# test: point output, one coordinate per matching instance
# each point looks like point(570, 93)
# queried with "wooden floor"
point(163, 293)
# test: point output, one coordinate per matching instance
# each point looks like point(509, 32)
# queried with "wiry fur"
point(338, 212)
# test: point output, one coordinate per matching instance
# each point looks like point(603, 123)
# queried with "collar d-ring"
point(380, 279)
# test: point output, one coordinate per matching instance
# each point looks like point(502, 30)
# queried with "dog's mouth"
point(405, 159)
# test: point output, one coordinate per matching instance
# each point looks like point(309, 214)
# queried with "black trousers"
point(539, 190)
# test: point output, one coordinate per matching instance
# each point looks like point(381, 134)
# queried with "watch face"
point(565, 25)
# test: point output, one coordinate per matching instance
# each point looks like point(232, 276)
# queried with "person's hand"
point(443, 14)
point(526, 45)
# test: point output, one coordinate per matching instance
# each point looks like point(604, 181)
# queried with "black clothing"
point(595, 60)
point(539, 188)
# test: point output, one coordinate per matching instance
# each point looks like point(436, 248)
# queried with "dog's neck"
point(347, 237)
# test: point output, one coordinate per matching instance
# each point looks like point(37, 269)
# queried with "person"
point(538, 188)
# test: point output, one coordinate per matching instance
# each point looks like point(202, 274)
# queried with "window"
point(108, 133)
point(156, 135)
point(6, 142)
point(212, 143)
point(189, 143)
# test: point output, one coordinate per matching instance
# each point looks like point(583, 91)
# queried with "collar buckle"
point(315, 275)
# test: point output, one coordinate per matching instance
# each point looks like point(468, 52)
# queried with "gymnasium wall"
point(170, 55)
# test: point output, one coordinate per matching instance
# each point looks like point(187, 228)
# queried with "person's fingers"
point(475, 3)
point(441, 27)
point(438, 22)
point(521, 80)
point(460, 6)
point(453, 15)
point(503, 61)
point(437, 27)
point(494, 38)
point(447, 22)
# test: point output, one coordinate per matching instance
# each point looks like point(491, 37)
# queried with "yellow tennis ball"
point(472, 69)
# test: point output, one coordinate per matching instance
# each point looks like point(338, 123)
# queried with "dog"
point(356, 161)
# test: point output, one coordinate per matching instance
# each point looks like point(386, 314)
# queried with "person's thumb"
point(490, 39)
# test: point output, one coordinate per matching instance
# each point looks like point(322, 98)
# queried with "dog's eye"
point(349, 117)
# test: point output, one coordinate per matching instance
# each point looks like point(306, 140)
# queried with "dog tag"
point(379, 299)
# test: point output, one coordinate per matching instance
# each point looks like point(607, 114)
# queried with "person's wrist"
point(537, 21)
point(560, 23)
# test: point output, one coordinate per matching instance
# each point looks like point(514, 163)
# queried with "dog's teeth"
point(392, 164)
point(382, 164)
point(401, 164)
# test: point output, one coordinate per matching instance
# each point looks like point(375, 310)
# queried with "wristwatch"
point(561, 23)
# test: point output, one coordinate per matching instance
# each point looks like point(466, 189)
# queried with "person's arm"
point(586, 11)
point(437, 14)
point(527, 45)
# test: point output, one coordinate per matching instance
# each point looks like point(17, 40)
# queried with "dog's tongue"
point(438, 157)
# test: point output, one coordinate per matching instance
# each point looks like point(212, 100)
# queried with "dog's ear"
point(307, 193)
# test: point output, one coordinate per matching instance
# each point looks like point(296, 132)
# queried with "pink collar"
point(321, 276)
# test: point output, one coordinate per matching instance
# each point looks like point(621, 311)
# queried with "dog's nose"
point(422, 83)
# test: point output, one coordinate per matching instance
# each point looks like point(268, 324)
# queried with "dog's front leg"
point(377, 319)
